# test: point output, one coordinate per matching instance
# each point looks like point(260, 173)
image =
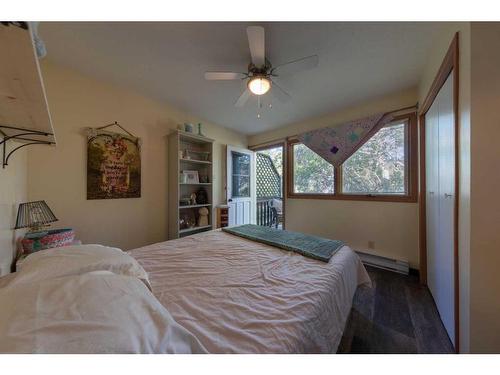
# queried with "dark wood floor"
point(396, 315)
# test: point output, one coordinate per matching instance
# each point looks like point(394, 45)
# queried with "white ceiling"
point(167, 60)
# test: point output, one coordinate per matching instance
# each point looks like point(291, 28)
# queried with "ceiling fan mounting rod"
point(264, 70)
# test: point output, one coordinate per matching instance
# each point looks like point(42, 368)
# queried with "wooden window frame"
point(411, 171)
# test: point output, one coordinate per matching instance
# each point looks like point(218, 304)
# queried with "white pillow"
point(77, 260)
point(95, 312)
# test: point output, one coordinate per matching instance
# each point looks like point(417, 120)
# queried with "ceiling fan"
point(261, 75)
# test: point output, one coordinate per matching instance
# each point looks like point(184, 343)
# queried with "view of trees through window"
point(378, 167)
point(311, 173)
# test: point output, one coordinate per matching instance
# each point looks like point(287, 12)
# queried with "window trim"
point(411, 171)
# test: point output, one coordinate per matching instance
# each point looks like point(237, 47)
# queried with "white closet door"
point(446, 299)
point(432, 206)
point(440, 164)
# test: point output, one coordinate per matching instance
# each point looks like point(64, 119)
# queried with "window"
point(379, 166)
point(311, 173)
point(241, 175)
point(383, 169)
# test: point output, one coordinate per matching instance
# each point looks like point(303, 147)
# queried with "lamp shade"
point(34, 214)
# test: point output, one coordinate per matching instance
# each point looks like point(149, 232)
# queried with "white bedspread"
point(240, 296)
point(98, 303)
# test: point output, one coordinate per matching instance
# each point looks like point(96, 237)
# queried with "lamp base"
point(38, 229)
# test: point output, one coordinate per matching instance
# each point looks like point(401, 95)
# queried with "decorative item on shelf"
point(204, 179)
point(205, 156)
point(187, 219)
point(202, 196)
point(203, 217)
point(188, 128)
point(185, 201)
point(199, 130)
point(181, 154)
point(197, 155)
point(36, 216)
point(193, 198)
point(191, 177)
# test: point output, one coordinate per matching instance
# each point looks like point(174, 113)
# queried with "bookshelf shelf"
point(198, 183)
point(195, 206)
point(193, 161)
point(195, 229)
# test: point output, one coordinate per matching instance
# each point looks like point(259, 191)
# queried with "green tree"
point(379, 165)
point(312, 174)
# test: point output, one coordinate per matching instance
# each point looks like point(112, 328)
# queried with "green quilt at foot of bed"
point(310, 246)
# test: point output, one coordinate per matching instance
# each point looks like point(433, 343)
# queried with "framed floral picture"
point(113, 165)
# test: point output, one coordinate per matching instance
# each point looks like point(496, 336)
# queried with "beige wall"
point(485, 185)
point(441, 45)
point(392, 226)
point(58, 175)
point(13, 190)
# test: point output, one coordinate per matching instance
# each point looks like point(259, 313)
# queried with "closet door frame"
point(448, 66)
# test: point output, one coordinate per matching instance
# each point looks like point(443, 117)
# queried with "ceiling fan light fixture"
point(259, 85)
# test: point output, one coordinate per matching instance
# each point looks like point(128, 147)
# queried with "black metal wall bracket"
point(20, 135)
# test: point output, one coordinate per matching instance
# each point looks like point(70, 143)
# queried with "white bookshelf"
point(181, 141)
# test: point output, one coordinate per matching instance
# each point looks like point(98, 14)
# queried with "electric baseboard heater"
point(395, 265)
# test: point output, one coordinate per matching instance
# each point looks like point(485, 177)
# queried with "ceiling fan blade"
point(256, 41)
point(223, 76)
point(296, 66)
point(243, 98)
point(279, 93)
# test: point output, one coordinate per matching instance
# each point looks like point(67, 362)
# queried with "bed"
point(240, 296)
point(208, 293)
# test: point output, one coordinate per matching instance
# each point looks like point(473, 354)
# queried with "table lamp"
point(34, 215)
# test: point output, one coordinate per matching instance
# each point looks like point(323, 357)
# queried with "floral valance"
point(336, 144)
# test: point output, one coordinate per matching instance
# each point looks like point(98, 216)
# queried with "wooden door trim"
point(450, 65)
